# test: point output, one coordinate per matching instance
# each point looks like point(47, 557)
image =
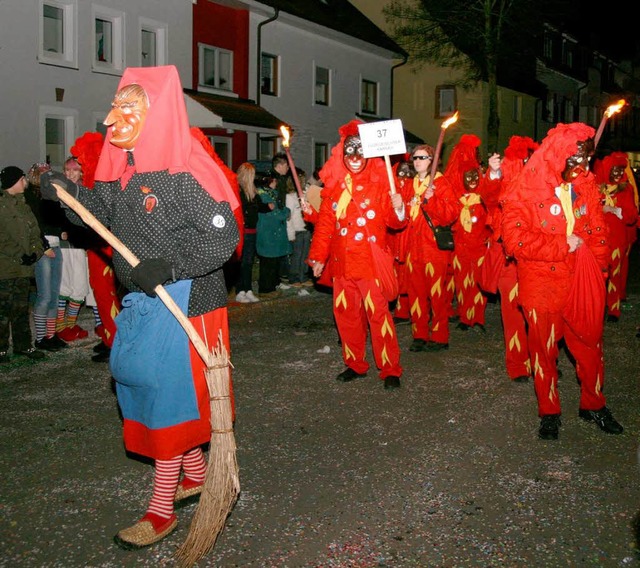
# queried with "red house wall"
point(226, 28)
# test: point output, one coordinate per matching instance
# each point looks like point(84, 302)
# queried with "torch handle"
point(436, 157)
point(133, 260)
point(294, 173)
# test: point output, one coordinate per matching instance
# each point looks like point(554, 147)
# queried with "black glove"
point(28, 259)
point(49, 192)
point(151, 272)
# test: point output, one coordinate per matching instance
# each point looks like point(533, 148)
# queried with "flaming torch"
point(292, 167)
point(436, 158)
point(611, 110)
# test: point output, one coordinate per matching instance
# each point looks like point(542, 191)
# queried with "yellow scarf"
point(345, 196)
point(567, 206)
point(419, 187)
point(608, 192)
point(465, 215)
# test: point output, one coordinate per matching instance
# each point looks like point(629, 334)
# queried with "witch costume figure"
point(165, 198)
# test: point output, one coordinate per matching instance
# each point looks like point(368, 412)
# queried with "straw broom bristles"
point(222, 484)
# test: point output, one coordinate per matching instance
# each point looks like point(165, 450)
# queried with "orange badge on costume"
point(150, 202)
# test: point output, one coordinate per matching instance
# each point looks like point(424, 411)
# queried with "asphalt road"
point(445, 472)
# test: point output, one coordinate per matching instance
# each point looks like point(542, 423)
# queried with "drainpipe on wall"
point(403, 62)
point(259, 63)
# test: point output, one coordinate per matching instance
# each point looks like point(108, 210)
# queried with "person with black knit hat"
point(20, 247)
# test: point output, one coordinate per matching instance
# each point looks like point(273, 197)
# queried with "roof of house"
point(232, 110)
point(338, 15)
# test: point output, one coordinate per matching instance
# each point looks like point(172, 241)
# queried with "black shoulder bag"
point(443, 234)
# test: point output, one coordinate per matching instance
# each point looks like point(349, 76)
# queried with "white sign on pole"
point(383, 138)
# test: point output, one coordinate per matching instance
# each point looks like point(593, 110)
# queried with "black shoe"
point(463, 326)
point(45, 344)
point(435, 346)
point(56, 341)
point(549, 425)
point(4, 357)
point(101, 347)
point(612, 319)
point(418, 345)
point(454, 319)
point(391, 382)
point(479, 328)
point(603, 418)
point(31, 353)
point(521, 379)
point(349, 375)
point(102, 357)
point(399, 321)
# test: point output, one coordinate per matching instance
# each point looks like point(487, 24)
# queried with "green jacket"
point(19, 234)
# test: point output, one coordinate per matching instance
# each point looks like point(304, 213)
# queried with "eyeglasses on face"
point(421, 157)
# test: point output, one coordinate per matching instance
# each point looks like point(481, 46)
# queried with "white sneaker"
point(303, 292)
point(242, 297)
point(251, 297)
point(282, 286)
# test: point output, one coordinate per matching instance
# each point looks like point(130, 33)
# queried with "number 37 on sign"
point(383, 138)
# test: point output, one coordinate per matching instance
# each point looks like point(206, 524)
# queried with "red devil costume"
point(427, 265)
point(165, 198)
point(470, 231)
point(621, 215)
point(498, 271)
point(554, 227)
point(356, 209)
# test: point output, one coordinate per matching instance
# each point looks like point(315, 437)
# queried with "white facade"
point(75, 89)
point(301, 47)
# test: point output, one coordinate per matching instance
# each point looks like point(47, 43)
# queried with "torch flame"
point(615, 108)
point(447, 123)
point(285, 136)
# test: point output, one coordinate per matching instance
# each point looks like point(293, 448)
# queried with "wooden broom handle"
point(133, 260)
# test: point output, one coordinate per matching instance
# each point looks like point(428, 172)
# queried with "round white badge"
point(358, 236)
point(370, 214)
point(361, 221)
point(218, 221)
point(555, 209)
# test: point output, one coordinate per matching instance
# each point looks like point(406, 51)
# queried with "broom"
point(222, 484)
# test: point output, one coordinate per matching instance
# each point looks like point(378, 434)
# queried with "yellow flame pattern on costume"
point(384, 357)
point(456, 263)
point(387, 329)
point(513, 293)
point(368, 303)
point(341, 300)
point(348, 354)
point(515, 342)
point(436, 289)
point(429, 269)
point(415, 308)
point(551, 341)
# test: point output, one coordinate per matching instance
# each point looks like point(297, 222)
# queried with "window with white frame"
point(320, 154)
point(322, 86)
point(215, 67)
point(222, 146)
point(108, 40)
point(267, 148)
point(153, 43)
point(57, 134)
point(269, 67)
point(446, 100)
point(369, 97)
point(58, 33)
